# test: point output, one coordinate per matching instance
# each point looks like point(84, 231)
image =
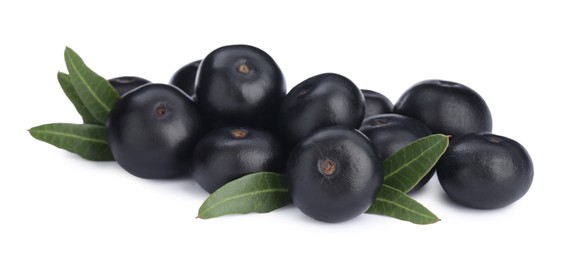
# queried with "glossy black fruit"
point(126, 84)
point(226, 154)
point(152, 131)
point(391, 132)
point(334, 174)
point(376, 103)
point(485, 171)
point(446, 107)
point(185, 77)
point(321, 101)
point(240, 85)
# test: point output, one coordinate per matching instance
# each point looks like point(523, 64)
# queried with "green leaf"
point(405, 168)
point(257, 192)
point(88, 141)
point(95, 92)
point(395, 203)
point(69, 89)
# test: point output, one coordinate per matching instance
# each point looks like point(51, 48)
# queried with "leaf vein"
point(88, 86)
point(422, 154)
point(71, 135)
point(240, 196)
point(405, 208)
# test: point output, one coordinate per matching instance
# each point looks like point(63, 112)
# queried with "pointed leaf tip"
point(395, 203)
point(87, 141)
point(405, 168)
point(95, 92)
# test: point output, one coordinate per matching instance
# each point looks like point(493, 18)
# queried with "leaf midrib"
point(411, 161)
point(239, 196)
point(71, 135)
point(94, 94)
point(406, 208)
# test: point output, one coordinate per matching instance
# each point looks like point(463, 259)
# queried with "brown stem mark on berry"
point(160, 110)
point(494, 139)
point(239, 133)
point(327, 167)
point(378, 122)
point(125, 80)
point(243, 68)
point(304, 91)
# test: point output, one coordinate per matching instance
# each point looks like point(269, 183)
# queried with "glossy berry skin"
point(239, 85)
point(226, 154)
point(391, 132)
point(376, 103)
point(152, 131)
point(185, 77)
point(334, 174)
point(320, 101)
point(485, 171)
point(126, 84)
point(446, 108)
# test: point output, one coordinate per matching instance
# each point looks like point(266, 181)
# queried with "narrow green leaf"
point(95, 92)
point(69, 89)
point(88, 141)
point(257, 192)
point(405, 168)
point(395, 203)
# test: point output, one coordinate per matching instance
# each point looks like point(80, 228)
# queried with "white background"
point(54, 205)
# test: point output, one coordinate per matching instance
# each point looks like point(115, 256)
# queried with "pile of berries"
point(229, 115)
